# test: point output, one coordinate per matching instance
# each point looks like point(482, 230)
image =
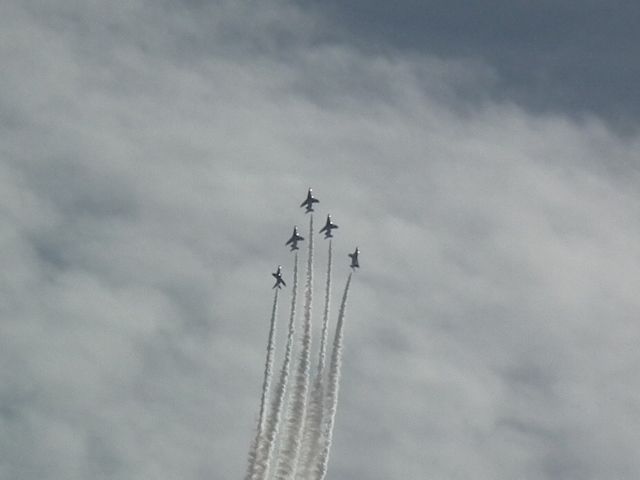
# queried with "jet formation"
point(278, 276)
point(296, 237)
point(328, 227)
point(354, 259)
point(309, 201)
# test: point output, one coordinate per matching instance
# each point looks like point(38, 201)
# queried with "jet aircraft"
point(295, 238)
point(278, 277)
point(354, 259)
point(328, 227)
point(309, 201)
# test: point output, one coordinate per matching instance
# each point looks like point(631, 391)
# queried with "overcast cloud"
point(574, 57)
point(153, 156)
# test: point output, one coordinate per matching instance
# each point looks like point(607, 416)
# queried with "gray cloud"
point(153, 158)
point(570, 57)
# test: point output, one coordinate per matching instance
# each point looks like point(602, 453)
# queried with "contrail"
point(288, 458)
point(272, 421)
point(332, 390)
point(313, 422)
point(266, 384)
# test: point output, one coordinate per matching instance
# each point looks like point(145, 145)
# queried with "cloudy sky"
point(484, 157)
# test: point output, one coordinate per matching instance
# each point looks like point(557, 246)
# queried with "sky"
point(482, 157)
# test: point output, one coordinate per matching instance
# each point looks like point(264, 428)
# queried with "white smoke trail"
point(313, 421)
point(332, 391)
point(272, 421)
point(288, 457)
point(266, 384)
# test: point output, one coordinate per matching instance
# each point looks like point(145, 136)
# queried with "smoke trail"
point(266, 383)
point(288, 457)
point(332, 391)
point(313, 422)
point(272, 421)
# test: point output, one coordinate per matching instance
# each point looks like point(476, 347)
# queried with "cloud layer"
point(565, 56)
point(153, 157)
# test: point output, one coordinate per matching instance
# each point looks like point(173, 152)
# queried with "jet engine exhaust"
point(272, 424)
point(266, 384)
point(290, 450)
point(313, 421)
point(335, 366)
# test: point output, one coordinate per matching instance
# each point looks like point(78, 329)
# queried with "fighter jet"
point(295, 238)
point(328, 227)
point(309, 202)
point(278, 277)
point(354, 259)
